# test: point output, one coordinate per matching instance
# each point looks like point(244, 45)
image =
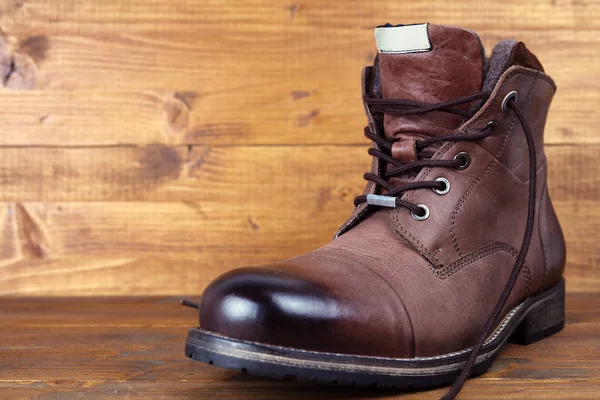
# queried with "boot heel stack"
point(543, 321)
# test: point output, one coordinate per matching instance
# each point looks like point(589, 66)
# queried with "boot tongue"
point(428, 63)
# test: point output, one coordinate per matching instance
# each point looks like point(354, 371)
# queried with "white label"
point(402, 39)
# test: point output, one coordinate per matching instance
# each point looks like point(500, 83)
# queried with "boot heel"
point(545, 318)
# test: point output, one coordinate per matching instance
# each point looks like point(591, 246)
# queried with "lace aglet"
point(382, 201)
point(190, 304)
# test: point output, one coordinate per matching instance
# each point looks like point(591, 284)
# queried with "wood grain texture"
point(148, 146)
point(273, 116)
point(257, 72)
point(263, 176)
point(133, 348)
point(95, 248)
point(221, 175)
point(168, 220)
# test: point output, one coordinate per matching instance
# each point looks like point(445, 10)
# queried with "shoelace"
point(405, 107)
point(190, 304)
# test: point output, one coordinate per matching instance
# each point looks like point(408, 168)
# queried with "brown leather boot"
point(453, 249)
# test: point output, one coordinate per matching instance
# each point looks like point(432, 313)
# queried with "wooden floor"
point(133, 348)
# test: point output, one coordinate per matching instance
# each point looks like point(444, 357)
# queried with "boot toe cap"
point(282, 307)
point(266, 305)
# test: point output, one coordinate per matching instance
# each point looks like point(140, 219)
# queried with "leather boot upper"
point(393, 286)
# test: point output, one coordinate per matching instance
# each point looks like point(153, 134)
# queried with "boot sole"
point(532, 320)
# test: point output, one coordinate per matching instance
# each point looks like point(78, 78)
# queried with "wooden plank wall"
point(147, 146)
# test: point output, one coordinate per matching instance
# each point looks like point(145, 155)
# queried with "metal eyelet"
point(446, 189)
point(425, 213)
point(514, 95)
point(466, 160)
point(492, 125)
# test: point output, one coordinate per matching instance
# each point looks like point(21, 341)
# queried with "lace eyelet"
point(425, 213)
point(492, 125)
point(446, 189)
point(466, 160)
point(514, 95)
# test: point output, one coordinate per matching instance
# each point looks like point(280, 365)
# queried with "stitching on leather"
point(527, 276)
point(395, 215)
point(545, 273)
point(471, 189)
point(464, 199)
point(536, 74)
point(473, 256)
point(422, 249)
point(484, 175)
point(478, 254)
